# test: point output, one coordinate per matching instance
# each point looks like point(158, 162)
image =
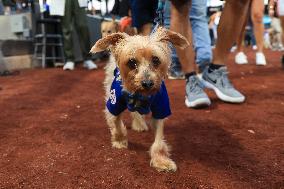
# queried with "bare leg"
point(180, 23)
point(138, 122)
point(145, 29)
point(117, 129)
point(159, 150)
point(240, 41)
point(257, 9)
point(282, 25)
point(232, 20)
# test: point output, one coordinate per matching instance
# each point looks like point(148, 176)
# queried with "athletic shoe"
point(90, 65)
point(195, 96)
point(175, 72)
point(260, 59)
point(218, 80)
point(233, 49)
point(241, 58)
point(254, 47)
point(69, 65)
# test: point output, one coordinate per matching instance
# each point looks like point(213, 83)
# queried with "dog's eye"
point(103, 31)
point(108, 31)
point(132, 63)
point(156, 61)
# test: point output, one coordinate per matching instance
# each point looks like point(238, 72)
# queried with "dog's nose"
point(147, 84)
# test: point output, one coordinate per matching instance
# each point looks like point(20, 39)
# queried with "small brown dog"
point(109, 27)
point(134, 81)
point(124, 25)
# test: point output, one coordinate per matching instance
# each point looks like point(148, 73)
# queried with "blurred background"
point(21, 21)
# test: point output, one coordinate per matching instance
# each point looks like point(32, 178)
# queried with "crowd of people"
point(190, 18)
point(230, 23)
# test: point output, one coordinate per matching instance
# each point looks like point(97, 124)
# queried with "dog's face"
point(108, 27)
point(143, 61)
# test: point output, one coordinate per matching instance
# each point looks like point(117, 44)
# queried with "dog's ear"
point(107, 41)
point(176, 39)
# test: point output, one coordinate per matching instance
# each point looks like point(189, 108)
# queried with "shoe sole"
point(241, 63)
point(68, 69)
point(198, 103)
point(221, 95)
point(85, 66)
point(261, 64)
point(176, 78)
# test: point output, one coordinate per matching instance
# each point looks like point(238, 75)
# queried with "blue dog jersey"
point(119, 100)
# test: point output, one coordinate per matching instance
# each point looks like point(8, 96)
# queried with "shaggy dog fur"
point(152, 59)
point(109, 27)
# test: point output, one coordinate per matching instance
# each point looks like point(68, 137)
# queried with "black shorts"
point(143, 12)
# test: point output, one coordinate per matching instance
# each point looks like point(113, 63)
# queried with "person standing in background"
point(143, 13)
point(213, 75)
point(280, 12)
point(256, 12)
point(73, 17)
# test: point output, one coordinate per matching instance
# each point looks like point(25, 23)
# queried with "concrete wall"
point(5, 26)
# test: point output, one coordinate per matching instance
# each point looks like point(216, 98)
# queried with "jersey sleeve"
point(160, 106)
point(116, 103)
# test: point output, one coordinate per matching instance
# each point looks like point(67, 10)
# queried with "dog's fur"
point(143, 49)
point(109, 27)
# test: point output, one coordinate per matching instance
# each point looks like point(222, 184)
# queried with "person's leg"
point(200, 32)
point(82, 29)
point(175, 71)
point(180, 24)
point(143, 13)
point(282, 25)
point(195, 96)
point(257, 11)
point(145, 29)
point(67, 26)
point(233, 17)
point(240, 57)
point(83, 34)
point(216, 76)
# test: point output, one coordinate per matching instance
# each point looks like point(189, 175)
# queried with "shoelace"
point(194, 85)
point(223, 75)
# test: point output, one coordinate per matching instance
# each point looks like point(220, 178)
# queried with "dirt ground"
point(53, 134)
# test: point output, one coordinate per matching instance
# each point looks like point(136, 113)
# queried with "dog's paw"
point(139, 126)
point(120, 144)
point(163, 163)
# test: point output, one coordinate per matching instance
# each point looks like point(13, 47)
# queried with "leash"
point(159, 20)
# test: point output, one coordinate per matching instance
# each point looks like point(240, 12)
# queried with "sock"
point(202, 66)
point(188, 75)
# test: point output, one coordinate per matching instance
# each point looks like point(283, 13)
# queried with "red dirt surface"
point(53, 134)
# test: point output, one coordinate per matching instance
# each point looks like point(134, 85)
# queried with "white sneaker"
point(90, 65)
point(260, 59)
point(241, 58)
point(233, 49)
point(69, 66)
